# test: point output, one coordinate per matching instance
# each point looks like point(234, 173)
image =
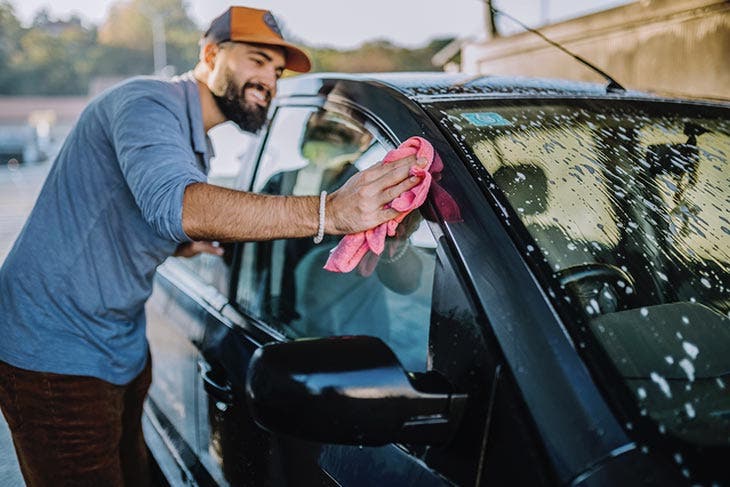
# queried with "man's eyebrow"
point(265, 56)
point(262, 54)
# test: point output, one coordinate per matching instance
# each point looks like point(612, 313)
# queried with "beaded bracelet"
point(320, 231)
point(398, 255)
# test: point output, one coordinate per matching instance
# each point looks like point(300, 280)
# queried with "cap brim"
point(296, 59)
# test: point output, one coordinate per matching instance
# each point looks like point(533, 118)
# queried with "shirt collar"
point(200, 141)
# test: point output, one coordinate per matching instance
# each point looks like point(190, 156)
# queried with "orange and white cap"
point(246, 24)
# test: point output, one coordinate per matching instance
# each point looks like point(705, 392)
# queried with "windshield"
point(625, 207)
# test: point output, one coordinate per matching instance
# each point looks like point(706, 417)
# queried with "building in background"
point(674, 47)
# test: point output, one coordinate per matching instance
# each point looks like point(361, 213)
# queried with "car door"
point(411, 298)
point(282, 283)
point(282, 293)
point(186, 293)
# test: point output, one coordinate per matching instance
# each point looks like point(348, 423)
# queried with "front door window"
point(283, 283)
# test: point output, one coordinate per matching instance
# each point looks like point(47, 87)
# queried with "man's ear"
point(210, 51)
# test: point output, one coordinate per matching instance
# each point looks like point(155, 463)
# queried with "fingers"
point(388, 214)
point(397, 170)
point(207, 248)
point(394, 171)
point(191, 249)
point(392, 192)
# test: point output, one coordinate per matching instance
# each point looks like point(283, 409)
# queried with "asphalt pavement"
point(19, 187)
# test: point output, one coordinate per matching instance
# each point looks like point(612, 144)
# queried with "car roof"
point(435, 86)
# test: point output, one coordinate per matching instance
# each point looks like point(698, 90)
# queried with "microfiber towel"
point(353, 247)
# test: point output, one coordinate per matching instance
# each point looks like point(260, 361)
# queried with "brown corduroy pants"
point(76, 430)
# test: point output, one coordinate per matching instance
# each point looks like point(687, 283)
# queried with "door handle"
point(220, 392)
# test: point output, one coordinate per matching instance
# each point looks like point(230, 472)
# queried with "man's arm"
point(215, 213)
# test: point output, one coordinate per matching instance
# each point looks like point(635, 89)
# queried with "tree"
point(53, 61)
point(377, 56)
point(61, 57)
point(129, 26)
point(10, 31)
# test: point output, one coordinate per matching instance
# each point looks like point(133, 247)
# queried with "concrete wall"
point(679, 47)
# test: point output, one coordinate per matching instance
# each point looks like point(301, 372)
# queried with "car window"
point(283, 283)
point(628, 207)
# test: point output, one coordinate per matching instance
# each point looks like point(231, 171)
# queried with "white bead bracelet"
point(320, 231)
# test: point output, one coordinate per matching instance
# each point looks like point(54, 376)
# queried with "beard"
point(248, 116)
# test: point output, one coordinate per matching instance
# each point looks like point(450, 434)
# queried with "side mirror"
point(348, 390)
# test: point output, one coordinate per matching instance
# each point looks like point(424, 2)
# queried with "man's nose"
point(269, 79)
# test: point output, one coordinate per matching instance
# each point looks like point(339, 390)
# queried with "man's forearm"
point(216, 213)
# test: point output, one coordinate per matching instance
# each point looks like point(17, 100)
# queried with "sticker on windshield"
point(486, 119)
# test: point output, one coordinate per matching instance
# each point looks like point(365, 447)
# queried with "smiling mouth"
point(257, 93)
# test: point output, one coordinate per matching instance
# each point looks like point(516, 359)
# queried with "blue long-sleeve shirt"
point(73, 287)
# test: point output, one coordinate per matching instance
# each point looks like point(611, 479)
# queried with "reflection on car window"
point(629, 209)
point(283, 282)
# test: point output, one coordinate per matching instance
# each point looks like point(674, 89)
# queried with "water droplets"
point(690, 349)
point(688, 368)
point(662, 383)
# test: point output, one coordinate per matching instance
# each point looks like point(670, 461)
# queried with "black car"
point(556, 313)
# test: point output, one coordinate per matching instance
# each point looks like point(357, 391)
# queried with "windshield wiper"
point(613, 85)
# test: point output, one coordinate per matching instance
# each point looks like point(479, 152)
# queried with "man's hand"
point(191, 249)
point(360, 203)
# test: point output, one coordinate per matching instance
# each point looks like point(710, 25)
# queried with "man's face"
point(243, 81)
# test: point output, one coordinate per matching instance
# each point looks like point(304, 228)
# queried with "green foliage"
point(53, 57)
point(9, 36)
point(62, 57)
point(377, 56)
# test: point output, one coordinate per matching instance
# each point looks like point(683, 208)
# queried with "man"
point(127, 190)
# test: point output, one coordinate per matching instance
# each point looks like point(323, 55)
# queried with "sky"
point(347, 24)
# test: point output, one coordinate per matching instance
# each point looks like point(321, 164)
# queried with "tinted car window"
point(626, 211)
point(283, 283)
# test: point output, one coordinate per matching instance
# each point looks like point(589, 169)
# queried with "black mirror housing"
point(348, 390)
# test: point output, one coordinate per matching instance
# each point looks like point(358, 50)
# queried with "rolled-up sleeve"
point(157, 162)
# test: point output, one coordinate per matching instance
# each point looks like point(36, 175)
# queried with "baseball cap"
point(256, 26)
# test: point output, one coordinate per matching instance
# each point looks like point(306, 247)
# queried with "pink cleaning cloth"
point(353, 247)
